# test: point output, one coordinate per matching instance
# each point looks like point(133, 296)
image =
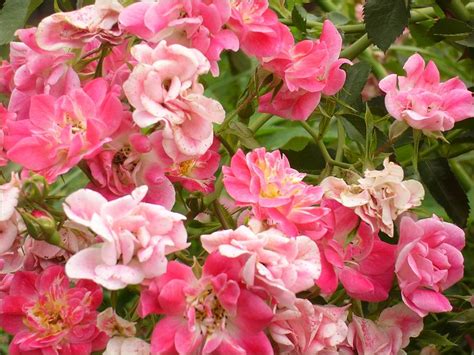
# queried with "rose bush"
point(236, 177)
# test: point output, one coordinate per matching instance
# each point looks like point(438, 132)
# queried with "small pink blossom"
point(76, 28)
point(276, 193)
point(309, 69)
point(127, 346)
point(379, 197)
point(129, 161)
point(163, 87)
point(61, 132)
point(45, 314)
point(360, 261)
point(309, 329)
point(422, 101)
point(429, 261)
point(281, 265)
point(194, 24)
point(135, 238)
point(193, 173)
point(388, 335)
point(213, 314)
point(260, 32)
point(112, 324)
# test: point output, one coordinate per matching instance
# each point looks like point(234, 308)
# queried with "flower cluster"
point(140, 218)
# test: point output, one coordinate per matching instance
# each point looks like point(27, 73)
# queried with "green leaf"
point(245, 135)
point(451, 28)
point(298, 17)
point(12, 17)
point(385, 20)
point(445, 188)
point(357, 76)
point(429, 337)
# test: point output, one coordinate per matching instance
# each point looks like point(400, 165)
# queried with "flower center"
point(209, 313)
point(186, 167)
point(77, 124)
point(47, 315)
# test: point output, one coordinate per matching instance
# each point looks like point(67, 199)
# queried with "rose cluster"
point(116, 92)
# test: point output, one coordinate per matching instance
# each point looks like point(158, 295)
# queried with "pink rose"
point(379, 197)
point(212, 314)
point(112, 324)
point(76, 28)
point(61, 132)
point(266, 182)
point(309, 329)
point(164, 87)
point(360, 261)
point(134, 236)
point(422, 101)
point(388, 335)
point(281, 265)
point(46, 314)
point(309, 69)
point(6, 77)
point(429, 261)
point(129, 161)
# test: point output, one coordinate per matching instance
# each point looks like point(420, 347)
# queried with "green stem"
point(356, 48)
point(327, 5)
point(327, 157)
point(456, 8)
point(114, 299)
point(377, 68)
point(255, 125)
point(341, 140)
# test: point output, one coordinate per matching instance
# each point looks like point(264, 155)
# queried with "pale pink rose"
point(194, 24)
point(429, 261)
point(61, 132)
point(266, 182)
point(309, 329)
point(281, 265)
point(309, 69)
point(379, 197)
point(213, 314)
point(38, 72)
point(127, 346)
point(112, 324)
point(76, 28)
point(260, 32)
point(46, 315)
point(360, 261)
point(194, 173)
point(422, 101)
point(388, 335)
point(129, 161)
point(135, 238)
point(9, 195)
point(6, 77)
point(164, 88)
